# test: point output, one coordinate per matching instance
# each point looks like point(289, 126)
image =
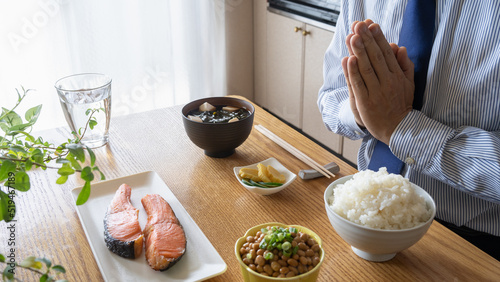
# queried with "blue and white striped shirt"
point(452, 146)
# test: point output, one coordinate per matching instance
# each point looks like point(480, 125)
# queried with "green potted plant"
point(21, 152)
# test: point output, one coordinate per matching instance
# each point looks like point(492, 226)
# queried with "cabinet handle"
point(297, 29)
point(305, 32)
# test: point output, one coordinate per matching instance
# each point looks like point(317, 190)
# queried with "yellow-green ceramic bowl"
point(252, 276)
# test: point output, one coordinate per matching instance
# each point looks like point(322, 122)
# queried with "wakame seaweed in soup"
point(219, 115)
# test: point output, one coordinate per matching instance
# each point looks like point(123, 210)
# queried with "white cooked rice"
point(379, 200)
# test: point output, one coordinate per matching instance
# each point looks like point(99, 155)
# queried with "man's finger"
point(405, 63)
point(363, 63)
point(375, 54)
point(348, 44)
point(352, 98)
point(346, 73)
point(394, 48)
point(368, 22)
point(353, 25)
point(357, 83)
point(385, 47)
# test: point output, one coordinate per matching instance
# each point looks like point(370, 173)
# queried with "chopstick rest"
point(312, 173)
point(294, 151)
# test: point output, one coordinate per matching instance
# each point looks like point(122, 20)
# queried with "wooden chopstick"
point(294, 151)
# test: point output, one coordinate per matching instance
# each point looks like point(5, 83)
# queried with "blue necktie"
point(417, 35)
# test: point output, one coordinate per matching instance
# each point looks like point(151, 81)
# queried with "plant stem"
point(17, 104)
point(86, 126)
point(24, 160)
point(28, 268)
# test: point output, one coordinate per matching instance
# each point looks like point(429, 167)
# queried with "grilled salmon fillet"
point(122, 232)
point(165, 238)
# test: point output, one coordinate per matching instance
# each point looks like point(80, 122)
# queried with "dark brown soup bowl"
point(219, 140)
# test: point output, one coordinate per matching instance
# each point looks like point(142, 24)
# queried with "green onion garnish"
point(286, 246)
point(269, 256)
point(278, 238)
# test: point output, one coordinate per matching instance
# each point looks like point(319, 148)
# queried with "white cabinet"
point(295, 52)
point(260, 51)
point(285, 55)
point(350, 149)
point(288, 73)
point(316, 43)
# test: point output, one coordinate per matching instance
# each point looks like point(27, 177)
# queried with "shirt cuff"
point(347, 118)
point(418, 140)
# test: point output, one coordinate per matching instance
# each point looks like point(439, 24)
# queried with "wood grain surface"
point(47, 224)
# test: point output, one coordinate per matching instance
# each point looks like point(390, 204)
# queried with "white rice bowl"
point(380, 200)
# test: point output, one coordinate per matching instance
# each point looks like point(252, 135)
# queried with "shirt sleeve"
point(467, 158)
point(333, 97)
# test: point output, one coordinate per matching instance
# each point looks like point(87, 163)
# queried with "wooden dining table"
point(47, 223)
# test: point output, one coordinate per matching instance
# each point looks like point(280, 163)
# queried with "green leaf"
point(22, 181)
point(84, 194)
point(87, 174)
point(37, 156)
point(17, 149)
point(77, 151)
point(29, 138)
point(37, 152)
point(45, 278)
point(87, 112)
point(11, 119)
point(16, 129)
point(73, 162)
point(32, 114)
point(92, 123)
point(102, 174)
point(28, 165)
point(63, 161)
point(8, 273)
point(62, 179)
point(7, 207)
point(4, 127)
point(2, 258)
point(92, 156)
point(7, 166)
point(65, 170)
point(59, 268)
point(47, 262)
point(31, 262)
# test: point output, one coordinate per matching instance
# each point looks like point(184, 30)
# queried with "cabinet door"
point(260, 51)
point(316, 43)
point(284, 68)
point(350, 150)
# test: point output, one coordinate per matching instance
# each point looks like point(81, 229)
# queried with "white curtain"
point(159, 53)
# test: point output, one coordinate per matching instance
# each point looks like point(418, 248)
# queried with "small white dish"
point(289, 176)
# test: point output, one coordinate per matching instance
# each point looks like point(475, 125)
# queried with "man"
point(451, 145)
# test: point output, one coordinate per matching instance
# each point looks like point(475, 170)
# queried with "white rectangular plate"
point(201, 261)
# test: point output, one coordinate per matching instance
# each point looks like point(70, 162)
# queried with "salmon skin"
point(122, 231)
point(165, 238)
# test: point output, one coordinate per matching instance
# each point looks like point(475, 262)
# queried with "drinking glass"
point(86, 102)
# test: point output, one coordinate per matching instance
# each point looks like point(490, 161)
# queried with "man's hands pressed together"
point(379, 76)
